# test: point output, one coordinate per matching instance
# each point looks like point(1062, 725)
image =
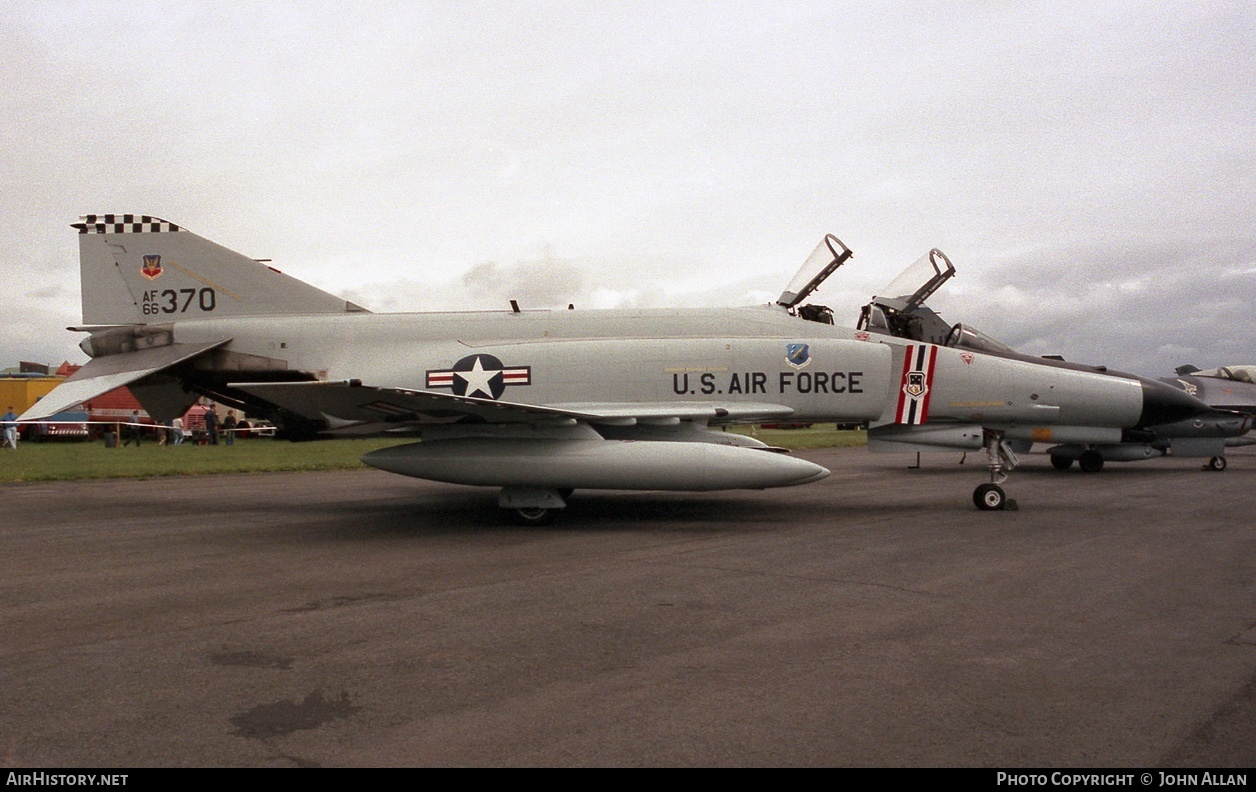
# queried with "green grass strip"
point(66, 460)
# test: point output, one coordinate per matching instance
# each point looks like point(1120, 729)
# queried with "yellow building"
point(21, 392)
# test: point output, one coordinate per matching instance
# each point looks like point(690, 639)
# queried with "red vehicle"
point(68, 425)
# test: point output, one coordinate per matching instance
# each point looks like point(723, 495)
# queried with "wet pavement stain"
point(285, 717)
point(250, 660)
point(340, 602)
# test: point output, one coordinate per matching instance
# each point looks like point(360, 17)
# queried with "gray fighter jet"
point(1231, 393)
point(539, 403)
point(1224, 388)
point(904, 314)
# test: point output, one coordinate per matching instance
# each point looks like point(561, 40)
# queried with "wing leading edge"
point(351, 407)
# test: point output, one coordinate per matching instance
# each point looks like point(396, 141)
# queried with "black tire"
point(989, 497)
point(533, 516)
point(1091, 461)
point(1061, 462)
point(1217, 463)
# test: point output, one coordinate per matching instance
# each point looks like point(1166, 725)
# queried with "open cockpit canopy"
point(823, 262)
point(1233, 373)
point(899, 309)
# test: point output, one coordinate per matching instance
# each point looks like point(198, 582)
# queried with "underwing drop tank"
point(595, 464)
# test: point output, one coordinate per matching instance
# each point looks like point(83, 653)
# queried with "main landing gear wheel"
point(533, 515)
point(1091, 461)
point(528, 506)
point(1217, 463)
point(1061, 462)
point(990, 497)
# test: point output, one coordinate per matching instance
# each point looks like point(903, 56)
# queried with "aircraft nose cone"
point(1163, 403)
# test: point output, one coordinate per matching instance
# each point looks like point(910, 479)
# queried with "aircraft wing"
point(350, 407)
point(663, 412)
point(103, 374)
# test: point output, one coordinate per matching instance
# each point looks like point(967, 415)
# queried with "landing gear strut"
point(999, 455)
point(1217, 463)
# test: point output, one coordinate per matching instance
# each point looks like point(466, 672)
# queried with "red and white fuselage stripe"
point(917, 384)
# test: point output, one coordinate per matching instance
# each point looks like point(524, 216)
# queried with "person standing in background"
point(211, 426)
point(9, 422)
point(229, 427)
point(131, 431)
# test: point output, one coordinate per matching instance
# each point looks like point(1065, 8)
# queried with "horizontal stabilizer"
point(104, 374)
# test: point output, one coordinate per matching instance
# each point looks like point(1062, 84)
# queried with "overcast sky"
point(1088, 167)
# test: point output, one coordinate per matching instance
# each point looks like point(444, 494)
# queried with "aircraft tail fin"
point(137, 269)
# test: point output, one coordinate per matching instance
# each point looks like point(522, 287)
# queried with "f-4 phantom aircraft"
point(1231, 394)
point(903, 314)
point(540, 403)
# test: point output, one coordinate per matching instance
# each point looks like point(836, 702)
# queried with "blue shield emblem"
point(798, 355)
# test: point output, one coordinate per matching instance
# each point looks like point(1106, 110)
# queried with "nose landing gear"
point(999, 455)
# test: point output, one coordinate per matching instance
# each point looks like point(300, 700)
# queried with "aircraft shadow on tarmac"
point(458, 511)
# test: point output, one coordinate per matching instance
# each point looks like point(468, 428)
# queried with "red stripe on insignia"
point(440, 379)
point(932, 353)
point(910, 409)
point(902, 383)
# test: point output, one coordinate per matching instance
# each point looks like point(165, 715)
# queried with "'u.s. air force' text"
point(758, 382)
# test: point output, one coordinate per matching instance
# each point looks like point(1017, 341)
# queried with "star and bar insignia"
point(479, 376)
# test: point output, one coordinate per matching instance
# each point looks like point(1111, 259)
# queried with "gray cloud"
point(1087, 166)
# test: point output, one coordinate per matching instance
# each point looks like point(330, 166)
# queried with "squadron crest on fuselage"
point(152, 267)
point(798, 355)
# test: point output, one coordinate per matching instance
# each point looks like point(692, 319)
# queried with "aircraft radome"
point(542, 402)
